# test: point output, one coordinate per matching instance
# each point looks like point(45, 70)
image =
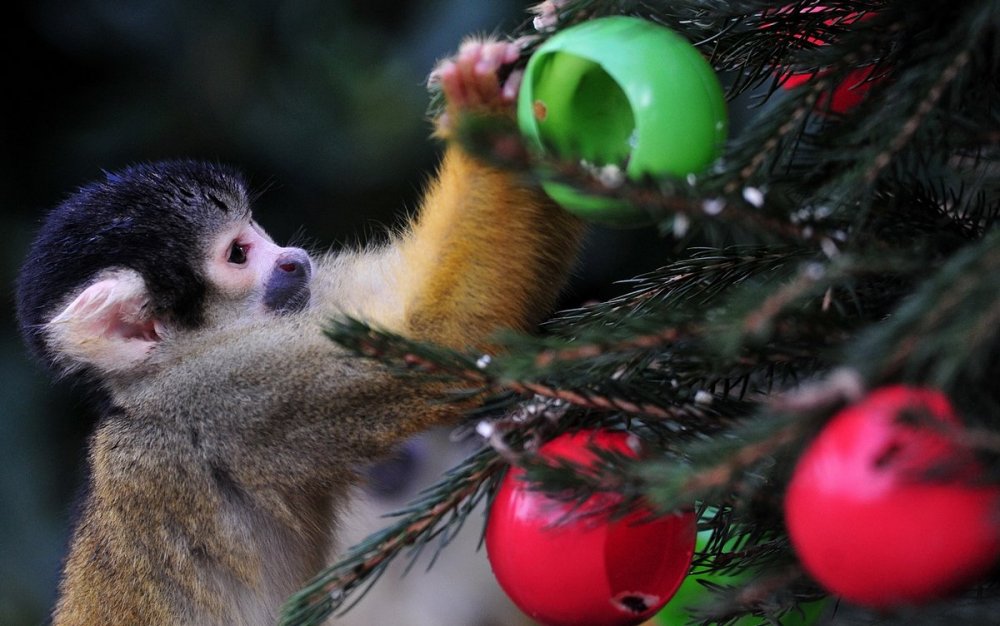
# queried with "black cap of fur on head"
point(156, 219)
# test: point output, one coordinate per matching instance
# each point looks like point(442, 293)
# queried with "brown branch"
point(772, 306)
point(388, 549)
point(819, 85)
point(641, 342)
point(722, 473)
point(912, 124)
point(591, 400)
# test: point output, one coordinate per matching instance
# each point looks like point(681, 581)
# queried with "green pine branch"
point(946, 334)
point(438, 513)
point(872, 257)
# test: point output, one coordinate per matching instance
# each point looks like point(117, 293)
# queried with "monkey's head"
point(148, 252)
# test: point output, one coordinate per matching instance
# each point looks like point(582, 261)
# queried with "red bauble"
point(565, 569)
point(845, 96)
point(882, 509)
point(852, 89)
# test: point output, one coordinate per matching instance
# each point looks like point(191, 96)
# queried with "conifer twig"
point(912, 124)
point(365, 562)
point(722, 473)
point(593, 400)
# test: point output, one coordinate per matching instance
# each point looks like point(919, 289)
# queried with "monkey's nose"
point(287, 287)
point(295, 263)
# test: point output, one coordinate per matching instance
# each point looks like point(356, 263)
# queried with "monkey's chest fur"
point(218, 506)
point(193, 538)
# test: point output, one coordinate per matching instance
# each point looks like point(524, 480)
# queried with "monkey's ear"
point(108, 325)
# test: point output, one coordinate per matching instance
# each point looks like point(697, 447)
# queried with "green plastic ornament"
point(628, 98)
point(692, 594)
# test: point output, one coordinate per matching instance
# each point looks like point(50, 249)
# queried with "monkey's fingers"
point(470, 80)
point(512, 86)
point(547, 14)
point(477, 65)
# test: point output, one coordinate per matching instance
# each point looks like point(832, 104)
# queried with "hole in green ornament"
point(586, 114)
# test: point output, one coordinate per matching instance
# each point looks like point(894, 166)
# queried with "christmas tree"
point(812, 374)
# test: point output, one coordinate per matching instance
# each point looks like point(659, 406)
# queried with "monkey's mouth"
point(292, 303)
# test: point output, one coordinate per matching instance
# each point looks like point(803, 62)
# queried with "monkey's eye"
point(237, 253)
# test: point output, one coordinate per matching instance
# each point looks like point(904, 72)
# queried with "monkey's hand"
point(471, 81)
point(488, 250)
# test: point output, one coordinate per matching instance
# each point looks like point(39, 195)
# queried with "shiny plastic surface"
point(882, 508)
point(564, 569)
point(621, 92)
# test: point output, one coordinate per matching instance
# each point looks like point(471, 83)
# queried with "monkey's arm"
point(488, 249)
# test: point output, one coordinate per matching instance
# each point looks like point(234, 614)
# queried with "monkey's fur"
point(230, 438)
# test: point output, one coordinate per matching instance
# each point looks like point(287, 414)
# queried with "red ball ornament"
point(882, 509)
point(852, 90)
point(848, 94)
point(563, 566)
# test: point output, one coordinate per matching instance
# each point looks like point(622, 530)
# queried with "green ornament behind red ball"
point(693, 595)
point(568, 565)
point(885, 510)
point(627, 98)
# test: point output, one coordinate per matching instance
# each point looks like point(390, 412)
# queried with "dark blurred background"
point(322, 104)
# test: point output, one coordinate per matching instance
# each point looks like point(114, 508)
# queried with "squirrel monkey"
point(231, 429)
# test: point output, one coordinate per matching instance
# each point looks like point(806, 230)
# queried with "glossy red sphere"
point(882, 509)
point(853, 89)
point(848, 94)
point(563, 569)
